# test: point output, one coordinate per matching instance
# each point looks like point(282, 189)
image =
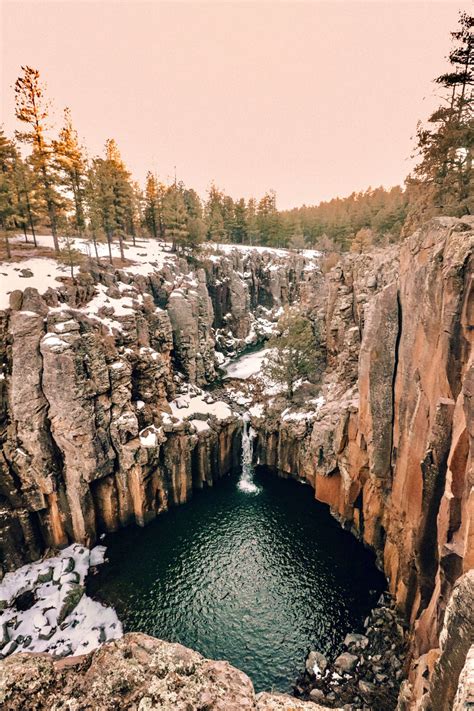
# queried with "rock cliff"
point(102, 422)
point(391, 449)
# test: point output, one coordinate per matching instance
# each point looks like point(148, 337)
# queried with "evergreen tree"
point(33, 110)
point(101, 206)
point(442, 181)
point(69, 255)
point(72, 166)
point(296, 352)
point(17, 198)
point(228, 217)
point(214, 215)
point(194, 218)
point(363, 241)
point(8, 212)
point(175, 218)
point(152, 206)
point(252, 223)
point(26, 196)
point(268, 221)
point(122, 191)
point(239, 225)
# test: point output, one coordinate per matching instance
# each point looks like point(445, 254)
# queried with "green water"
point(255, 578)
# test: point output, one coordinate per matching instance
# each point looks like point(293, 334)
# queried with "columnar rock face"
point(89, 440)
point(391, 450)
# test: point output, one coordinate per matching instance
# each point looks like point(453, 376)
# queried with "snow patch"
point(59, 617)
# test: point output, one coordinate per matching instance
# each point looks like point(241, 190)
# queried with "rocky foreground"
point(137, 673)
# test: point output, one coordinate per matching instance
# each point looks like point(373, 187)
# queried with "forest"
point(49, 182)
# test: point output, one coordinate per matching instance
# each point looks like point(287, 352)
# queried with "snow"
point(317, 671)
point(247, 365)
point(257, 410)
point(301, 415)
point(54, 343)
point(148, 436)
point(202, 404)
point(46, 273)
point(200, 425)
point(296, 416)
point(40, 628)
point(51, 340)
point(247, 249)
point(123, 306)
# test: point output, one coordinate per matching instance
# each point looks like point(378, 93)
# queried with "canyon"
point(107, 419)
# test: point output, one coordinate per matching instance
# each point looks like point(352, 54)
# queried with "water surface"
point(254, 577)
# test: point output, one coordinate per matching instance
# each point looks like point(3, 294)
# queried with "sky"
point(311, 99)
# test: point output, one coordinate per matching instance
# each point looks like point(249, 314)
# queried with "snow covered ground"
point(247, 365)
point(279, 251)
point(202, 404)
point(42, 273)
point(39, 273)
point(43, 607)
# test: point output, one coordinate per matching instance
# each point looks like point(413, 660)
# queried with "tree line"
point(48, 181)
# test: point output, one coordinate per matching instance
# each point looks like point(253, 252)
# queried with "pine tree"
point(175, 218)
point(8, 213)
point(239, 225)
point(100, 200)
point(268, 221)
point(253, 234)
point(228, 217)
point(214, 215)
point(152, 205)
point(69, 255)
point(137, 210)
point(33, 110)
point(26, 196)
point(72, 165)
point(295, 352)
point(442, 181)
point(194, 218)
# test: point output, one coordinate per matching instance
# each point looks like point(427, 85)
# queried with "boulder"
point(346, 662)
point(316, 664)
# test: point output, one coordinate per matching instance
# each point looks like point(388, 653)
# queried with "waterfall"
point(246, 482)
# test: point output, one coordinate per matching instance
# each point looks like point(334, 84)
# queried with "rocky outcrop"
point(135, 672)
point(391, 449)
point(369, 671)
point(89, 439)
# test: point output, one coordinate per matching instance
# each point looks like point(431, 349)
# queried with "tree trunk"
point(30, 215)
point(51, 208)
point(7, 245)
point(122, 254)
point(109, 242)
point(95, 249)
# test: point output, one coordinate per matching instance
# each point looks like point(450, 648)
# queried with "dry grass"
point(24, 250)
point(329, 261)
point(27, 250)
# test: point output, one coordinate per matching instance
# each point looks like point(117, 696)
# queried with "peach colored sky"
point(312, 99)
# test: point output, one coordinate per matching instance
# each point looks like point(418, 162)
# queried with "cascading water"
point(246, 482)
